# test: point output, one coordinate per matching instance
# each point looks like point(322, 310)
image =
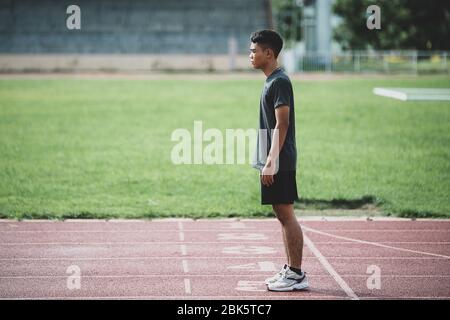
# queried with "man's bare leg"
point(292, 232)
point(286, 247)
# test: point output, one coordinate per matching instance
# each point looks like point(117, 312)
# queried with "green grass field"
point(101, 148)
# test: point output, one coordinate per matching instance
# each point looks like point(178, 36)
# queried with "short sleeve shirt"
point(277, 92)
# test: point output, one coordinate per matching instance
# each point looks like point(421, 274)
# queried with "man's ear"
point(270, 53)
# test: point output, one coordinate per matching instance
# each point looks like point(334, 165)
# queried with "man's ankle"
point(296, 270)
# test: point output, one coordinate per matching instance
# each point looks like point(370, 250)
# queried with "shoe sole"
point(296, 287)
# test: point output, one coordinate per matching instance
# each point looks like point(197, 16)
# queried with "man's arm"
point(281, 128)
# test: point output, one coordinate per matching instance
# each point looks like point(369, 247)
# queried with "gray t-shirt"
point(277, 92)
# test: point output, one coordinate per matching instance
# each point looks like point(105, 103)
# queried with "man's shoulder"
point(281, 79)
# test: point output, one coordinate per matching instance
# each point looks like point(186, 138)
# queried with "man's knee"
point(284, 212)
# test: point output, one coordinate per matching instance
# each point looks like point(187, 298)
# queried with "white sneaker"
point(290, 281)
point(277, 276)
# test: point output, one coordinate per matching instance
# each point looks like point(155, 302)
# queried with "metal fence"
point(415, 62)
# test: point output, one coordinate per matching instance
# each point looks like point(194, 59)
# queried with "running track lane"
point(221, 259)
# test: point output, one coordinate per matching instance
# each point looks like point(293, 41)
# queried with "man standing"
point(276, 156)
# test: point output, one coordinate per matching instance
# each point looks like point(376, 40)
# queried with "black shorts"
point(282, 191)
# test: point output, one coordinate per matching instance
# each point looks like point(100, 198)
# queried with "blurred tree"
point(405, 24)
point(288, 17)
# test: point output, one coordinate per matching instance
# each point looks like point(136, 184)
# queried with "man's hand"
point(267, 173)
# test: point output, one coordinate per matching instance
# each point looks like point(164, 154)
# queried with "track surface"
point(221, 259)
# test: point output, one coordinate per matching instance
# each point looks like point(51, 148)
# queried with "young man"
point(276, 156)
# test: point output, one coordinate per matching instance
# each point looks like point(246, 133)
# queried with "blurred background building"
point(130, 35)
point(213, 35)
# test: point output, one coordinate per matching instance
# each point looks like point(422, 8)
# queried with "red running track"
point(221, 259)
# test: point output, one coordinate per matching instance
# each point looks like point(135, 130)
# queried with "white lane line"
point(214, 230)
point(374, 243)
point(206, 220)
point(329, 268)
point(213, 257)
point(386, 242)
point(187, 282)
point(185, 266)
point(132, 276)
point(386, 230)
point(180, 231)
point(386, 258)
point(187, 286)
point(267, 266)
point(131, 243)
point(202, 243)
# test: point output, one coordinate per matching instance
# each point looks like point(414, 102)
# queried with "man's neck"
point(270, 68)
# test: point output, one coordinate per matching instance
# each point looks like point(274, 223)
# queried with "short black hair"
point(268, 39)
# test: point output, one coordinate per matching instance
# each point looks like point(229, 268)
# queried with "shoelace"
point(283, 272)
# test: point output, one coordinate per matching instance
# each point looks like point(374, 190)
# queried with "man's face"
point(258, 56)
